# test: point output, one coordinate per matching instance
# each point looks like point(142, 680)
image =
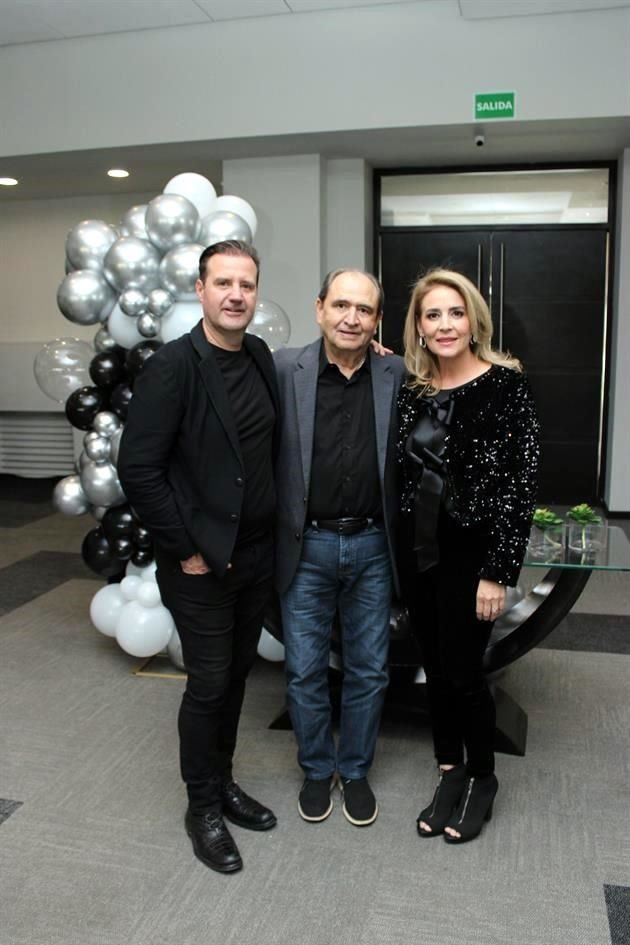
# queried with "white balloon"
point(123, 329)
point(241, 207)
point(182, 317)
point(129, 587)
point(148, 572)
point(195, 188)
point(148, 594)
point(270, 648)
point(132, 570)
point(143, 631)
point(105, 609)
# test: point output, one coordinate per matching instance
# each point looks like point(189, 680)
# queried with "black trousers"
point(442, 608)
point(219, 624)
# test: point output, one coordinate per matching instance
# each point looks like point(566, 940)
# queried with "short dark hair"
point(332, 275)
point(228, 248)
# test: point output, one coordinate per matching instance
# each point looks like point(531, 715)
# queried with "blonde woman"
point(468, 448)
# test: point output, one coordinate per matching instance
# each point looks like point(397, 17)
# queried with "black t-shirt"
point(255, 417)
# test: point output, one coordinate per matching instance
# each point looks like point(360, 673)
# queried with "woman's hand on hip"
point(490, 600)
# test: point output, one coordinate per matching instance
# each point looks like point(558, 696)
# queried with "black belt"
point(343, 526)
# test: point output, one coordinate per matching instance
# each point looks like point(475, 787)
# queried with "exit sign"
point(491, 105)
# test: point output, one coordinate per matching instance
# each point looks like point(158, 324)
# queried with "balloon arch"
point(136, 282)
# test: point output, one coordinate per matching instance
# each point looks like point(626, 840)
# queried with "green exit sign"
point(491, 105)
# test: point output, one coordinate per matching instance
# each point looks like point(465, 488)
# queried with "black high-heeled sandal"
point(474, 809)
point(445, 800)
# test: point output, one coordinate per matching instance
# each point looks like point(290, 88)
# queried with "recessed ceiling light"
point(117, 172)
point(8, 181)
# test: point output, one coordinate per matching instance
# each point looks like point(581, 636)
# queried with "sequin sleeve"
point(515, 490)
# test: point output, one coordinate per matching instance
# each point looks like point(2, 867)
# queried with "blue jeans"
point(350, 574)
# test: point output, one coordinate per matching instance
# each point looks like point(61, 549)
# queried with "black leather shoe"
point(243, 810)
point(212, 841)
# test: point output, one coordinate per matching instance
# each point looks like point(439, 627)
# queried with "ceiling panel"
point(310, 6)
point(241, 9)
point(489, 9)
point(30, 20)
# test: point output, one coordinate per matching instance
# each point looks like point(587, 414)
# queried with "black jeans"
point(219, 624)
point(442, 608)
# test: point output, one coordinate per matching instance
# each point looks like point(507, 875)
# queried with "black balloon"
point(138, 356)
point(142, 557)
point(108, 368)
point(123, 549)
point(119, 400)
point(117, 522)
point(141, 537)
point(98, 555)
point(83, 404)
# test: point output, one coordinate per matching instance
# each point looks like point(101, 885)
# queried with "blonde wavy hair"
point(423, 366)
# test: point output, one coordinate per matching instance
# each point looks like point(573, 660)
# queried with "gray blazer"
point(297, 370)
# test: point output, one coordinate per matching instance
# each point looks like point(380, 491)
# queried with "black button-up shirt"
point(344, 469)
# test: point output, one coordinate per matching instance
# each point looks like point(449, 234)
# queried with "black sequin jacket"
point(491, 463)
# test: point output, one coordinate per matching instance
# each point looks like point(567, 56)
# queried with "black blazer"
point(180, 463)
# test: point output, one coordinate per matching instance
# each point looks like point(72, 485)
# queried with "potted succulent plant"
point(587, 533)
point(547, 535)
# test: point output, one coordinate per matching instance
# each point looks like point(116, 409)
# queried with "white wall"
point(403, 65)
point(288, 195)
point(32, 254)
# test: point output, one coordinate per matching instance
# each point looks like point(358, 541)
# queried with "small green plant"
point(545, 518)
point(583, 514)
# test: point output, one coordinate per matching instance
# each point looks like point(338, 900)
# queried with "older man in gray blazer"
point(335, 537)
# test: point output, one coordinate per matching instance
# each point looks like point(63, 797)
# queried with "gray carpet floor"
point(92, 846)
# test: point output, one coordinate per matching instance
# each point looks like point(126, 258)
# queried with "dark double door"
point(546, 288)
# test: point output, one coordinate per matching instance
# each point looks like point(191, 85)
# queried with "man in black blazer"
point(335, 477)
point(196, 463)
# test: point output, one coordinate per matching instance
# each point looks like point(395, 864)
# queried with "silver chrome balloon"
point(88, 242)
point(132, 224)
point(171, 220)
point(179, 270)
point(115, 443)
point(160, 302)
point(68, 496)
point(97, 447)
point(84, 297)
point(223, 225)
point(106, 423)
point(133, 302)
point(103, 341)
point(101, 484)
point(98, 511)
point(148, 325)
point(132, 263)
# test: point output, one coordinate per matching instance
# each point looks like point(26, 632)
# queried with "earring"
point(423, 341)
point(473, 341)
